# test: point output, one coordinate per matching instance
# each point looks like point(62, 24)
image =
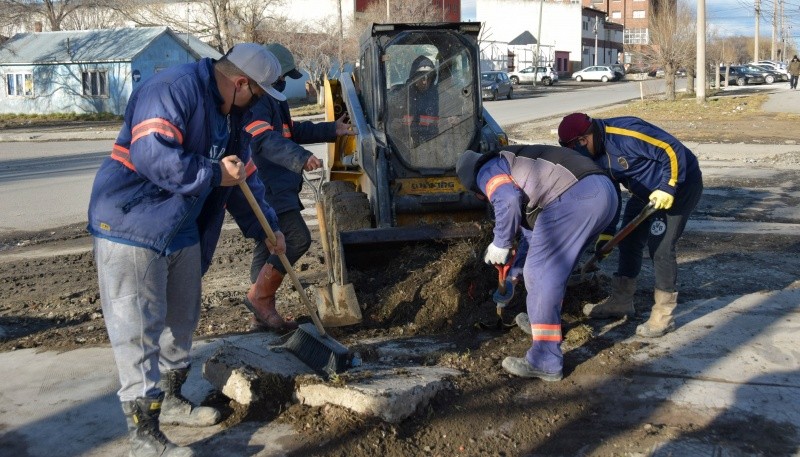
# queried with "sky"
point(729, 17)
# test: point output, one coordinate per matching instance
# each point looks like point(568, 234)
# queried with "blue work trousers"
point(555, 243)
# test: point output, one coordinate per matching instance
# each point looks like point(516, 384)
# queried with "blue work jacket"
point(164, 167)
point(277, 153)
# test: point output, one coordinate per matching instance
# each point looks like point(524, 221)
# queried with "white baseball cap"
point(259, 64)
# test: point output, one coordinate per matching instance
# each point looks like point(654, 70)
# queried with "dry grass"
point(724, 118)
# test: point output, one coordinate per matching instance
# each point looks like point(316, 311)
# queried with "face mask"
point(583, 150)
point(279, 85)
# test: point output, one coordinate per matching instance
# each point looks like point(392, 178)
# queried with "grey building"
point(87, 71)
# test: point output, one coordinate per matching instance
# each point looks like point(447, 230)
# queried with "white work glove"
point(495, 255)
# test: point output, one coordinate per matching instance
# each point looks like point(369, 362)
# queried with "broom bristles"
point(322, 354)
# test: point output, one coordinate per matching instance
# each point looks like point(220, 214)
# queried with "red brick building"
point(450, 9)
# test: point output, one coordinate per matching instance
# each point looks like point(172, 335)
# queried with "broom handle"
point(251, 199)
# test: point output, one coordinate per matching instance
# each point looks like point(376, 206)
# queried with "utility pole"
point(538, 41)
point(596, 20)
point(701, 52)
point(388, 12)
point(758, 21)
point(774, 28)
point(783, 35)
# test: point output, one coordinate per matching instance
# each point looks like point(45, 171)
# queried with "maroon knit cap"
point(572, 127)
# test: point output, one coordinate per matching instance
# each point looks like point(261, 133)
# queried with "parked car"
point(595, 73)
point(496, 84)
point(775, 66)
point(619, 70)
point(544, 75)
point(770, 76)
point(741, 76)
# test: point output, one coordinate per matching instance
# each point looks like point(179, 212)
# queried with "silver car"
point(595, 73)
point(544, 75)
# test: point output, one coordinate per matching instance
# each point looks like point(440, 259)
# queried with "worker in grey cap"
point(156, 211)
point(280, 158)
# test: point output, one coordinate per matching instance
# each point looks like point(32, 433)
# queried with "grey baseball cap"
point(285, 57)
point(259, 64)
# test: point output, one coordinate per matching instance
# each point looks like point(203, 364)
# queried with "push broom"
point(310, 343)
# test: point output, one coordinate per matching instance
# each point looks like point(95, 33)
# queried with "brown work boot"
point(618, 304)
point(260, 299)
point(661, 321)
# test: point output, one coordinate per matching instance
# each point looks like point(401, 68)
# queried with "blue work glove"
point(598, 245)
point(661, 199)
point(495, 255)
point(503, 299)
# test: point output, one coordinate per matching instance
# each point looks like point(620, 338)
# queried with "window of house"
point(19, 84)
point(636, 36)
point(616, 14)
point(95, 84)
point(638, 14)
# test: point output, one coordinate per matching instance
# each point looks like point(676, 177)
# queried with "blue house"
point(87, 71)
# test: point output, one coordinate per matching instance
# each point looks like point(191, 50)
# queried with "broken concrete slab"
point(390, 393)
point(244, 369)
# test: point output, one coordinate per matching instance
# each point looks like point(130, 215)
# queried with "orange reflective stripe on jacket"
point(256, 128)
point(496, 182)
point(427, 120)
point(250, 167)
point(287, 132)
point(156, 125)
point(546, 332)
point(123, 156)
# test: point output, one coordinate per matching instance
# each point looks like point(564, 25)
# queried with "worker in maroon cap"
point(655, 167)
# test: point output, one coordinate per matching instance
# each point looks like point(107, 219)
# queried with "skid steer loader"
point(395, 181)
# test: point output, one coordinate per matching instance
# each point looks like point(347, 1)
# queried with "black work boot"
point(144, 434)
point(177, 409)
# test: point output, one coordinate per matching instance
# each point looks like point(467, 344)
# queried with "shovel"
point(336, 303)
point(587, 271)
point(310, 343)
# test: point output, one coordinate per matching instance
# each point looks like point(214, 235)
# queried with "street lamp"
point(596, 20)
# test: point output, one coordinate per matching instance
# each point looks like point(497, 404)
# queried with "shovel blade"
point(337, 305)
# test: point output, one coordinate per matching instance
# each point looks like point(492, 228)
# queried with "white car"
point(544, 75)
point(774, 66)
point(595, 73)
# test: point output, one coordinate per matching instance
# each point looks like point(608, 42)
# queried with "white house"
point(566, 37)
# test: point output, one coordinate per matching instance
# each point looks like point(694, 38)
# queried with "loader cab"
point(426, 96)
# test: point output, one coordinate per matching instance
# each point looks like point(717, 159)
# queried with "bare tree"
point(672, 40)
point(50, 12)
point(221, 23)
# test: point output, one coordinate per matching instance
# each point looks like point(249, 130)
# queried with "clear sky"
point(730, 17)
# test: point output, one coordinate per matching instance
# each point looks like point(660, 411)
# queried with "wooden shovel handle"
point(251, 199)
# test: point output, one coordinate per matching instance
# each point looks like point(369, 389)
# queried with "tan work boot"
point(618, 304)
point(661, 321)
point(260, 299)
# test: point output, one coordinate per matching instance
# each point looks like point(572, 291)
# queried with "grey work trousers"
point(151, 306)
